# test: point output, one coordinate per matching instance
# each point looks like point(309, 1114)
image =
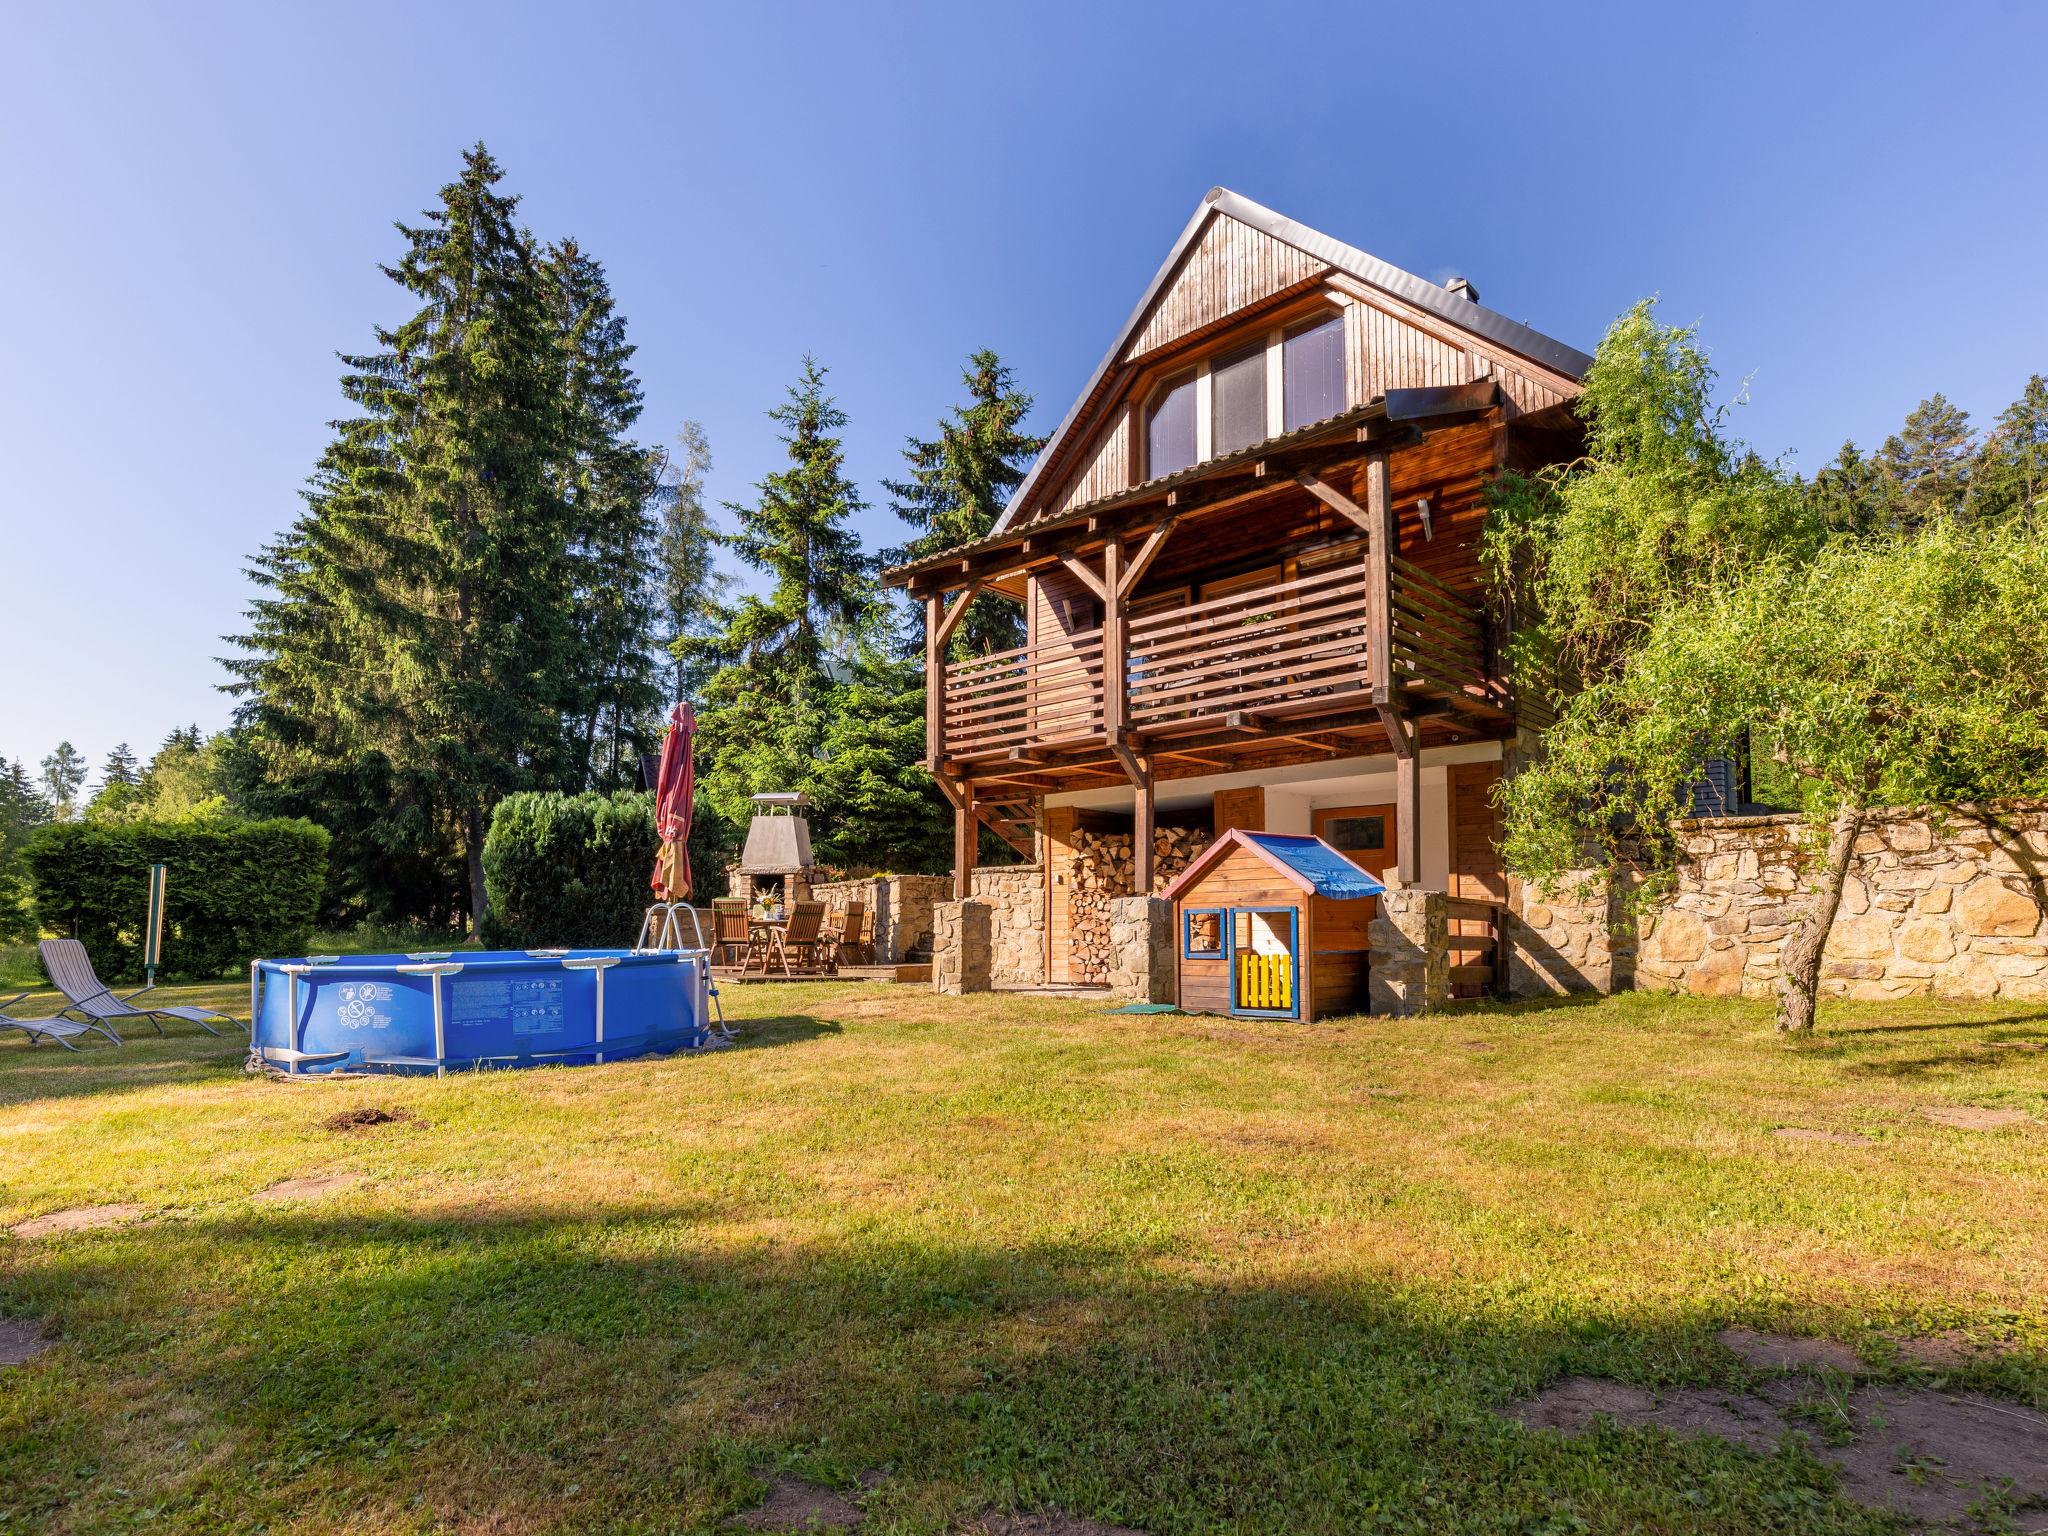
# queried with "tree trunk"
point(1799, 980)
point(479, 904)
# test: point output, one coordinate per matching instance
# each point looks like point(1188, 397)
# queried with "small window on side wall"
point(1202, 938)
point(1312, 372)
point(1170, 428)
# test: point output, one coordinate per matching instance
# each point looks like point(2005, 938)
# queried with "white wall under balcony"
point(1295, 793)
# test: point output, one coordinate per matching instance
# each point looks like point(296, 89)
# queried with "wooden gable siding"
point(1231, 267)
point(1106, 468)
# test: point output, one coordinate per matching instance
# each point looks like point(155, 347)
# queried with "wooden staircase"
point(1013, 820)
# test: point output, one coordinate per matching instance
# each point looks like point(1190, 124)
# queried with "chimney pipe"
point(1461, 288)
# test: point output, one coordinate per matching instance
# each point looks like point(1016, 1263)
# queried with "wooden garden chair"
point(730, 930)
point(796, 943)
point(856, 943)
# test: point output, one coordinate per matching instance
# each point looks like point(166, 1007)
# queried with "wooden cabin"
point(1247, 567)
point(1272, 926)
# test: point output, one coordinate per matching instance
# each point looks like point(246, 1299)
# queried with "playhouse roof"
point(1309, 864)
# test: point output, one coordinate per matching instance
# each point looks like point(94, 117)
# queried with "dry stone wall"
point(1015, 896)
point(1950, 905)
point(901, 906)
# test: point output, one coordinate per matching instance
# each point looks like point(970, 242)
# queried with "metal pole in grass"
point(153, 924)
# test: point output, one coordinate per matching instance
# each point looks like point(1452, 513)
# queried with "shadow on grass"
point(49, 1072)
point(632, 1368)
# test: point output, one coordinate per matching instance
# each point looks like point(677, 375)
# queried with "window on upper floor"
point(1170, 428)
point(1238, 400)
point(1312, 372)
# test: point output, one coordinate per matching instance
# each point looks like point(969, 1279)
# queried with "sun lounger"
point(86, 996)
point(61, 1030)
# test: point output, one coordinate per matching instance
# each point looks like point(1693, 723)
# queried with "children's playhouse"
point(1269, 925)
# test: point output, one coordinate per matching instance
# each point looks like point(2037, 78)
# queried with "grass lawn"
point(1185, 1275)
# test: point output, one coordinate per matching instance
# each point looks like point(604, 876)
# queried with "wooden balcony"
point(1279, 653)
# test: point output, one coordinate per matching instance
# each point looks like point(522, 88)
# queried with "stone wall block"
point(962, 952)
point(1141, 952)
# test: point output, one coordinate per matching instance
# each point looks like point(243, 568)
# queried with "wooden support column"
point(1408, 816)
point(966, 840)
point(1116, 636)
point(1138, 768)
point(934, 682)
point(1379, 578)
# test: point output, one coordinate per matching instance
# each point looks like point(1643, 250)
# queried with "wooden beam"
point(1116, 637)
point(1404, 736)
point(1135, 571)
point(1086, 577)
point(1336, 500)
point(958, 611)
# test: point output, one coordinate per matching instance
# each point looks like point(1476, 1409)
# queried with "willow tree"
point(1907, 669)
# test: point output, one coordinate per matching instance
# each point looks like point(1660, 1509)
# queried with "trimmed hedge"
point(569, 869)
point(236, 890)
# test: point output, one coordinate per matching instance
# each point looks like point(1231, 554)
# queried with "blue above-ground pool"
point(492, 1008)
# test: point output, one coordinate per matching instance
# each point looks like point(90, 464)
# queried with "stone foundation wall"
point(1015, 894)
point(1950, 905)
point(901, 905)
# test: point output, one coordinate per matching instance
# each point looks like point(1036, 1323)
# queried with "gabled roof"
point(1366, 268)
point(1309, 864)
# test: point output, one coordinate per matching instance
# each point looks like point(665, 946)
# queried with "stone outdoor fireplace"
point(776, 862)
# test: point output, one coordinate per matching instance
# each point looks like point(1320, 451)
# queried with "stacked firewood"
point(1104, 867)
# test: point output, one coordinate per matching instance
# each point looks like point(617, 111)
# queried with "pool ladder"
point(660, 932)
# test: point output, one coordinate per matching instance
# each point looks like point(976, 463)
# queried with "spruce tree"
point(786, 649)
point(609, 484)
point(22, 810)
point(121, 767)
point(688, 584)
point(958, 484)
point(2010, 477)
point(417, 638)
point(1928, 462)
point(1853, 494)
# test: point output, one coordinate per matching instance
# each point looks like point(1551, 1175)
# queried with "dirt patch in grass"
point(1833, 1138)
point(312, 1187)
point(1785, 1352)
point(1930, 1456)
point(1950, 1348)
point(1973, 1117)
point(79, 1218)
point(20, 1341)
point(795, 1505)
point(369, 1116)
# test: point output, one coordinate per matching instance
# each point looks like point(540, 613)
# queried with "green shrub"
point(236, 890)
point(569, 869)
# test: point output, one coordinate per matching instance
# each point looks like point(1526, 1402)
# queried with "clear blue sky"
point(194, 200)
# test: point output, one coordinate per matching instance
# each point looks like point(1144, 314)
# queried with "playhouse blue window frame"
point(1293, 915)
point(1222, 949)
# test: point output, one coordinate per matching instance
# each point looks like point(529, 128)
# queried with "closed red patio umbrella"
point(674, 785)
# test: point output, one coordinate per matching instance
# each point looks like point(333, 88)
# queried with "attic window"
point(1312, 368)
point(1170, 428)
point(1239, 401)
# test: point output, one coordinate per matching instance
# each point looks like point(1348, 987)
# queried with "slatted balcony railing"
point(1439, 638)
point(1281, 651)
point(1049, 694)
point(1285, 648)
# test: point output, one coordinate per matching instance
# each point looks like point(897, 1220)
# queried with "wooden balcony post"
point(1141, 833)
point(1379, 578)
point(1116, 637)
point(934, 682)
